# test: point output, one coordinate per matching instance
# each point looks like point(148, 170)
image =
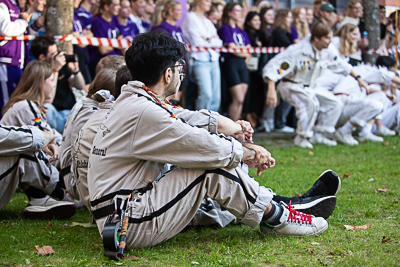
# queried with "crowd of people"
point(104, 128)
point(234, 84)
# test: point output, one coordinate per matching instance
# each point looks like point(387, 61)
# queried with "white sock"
point(346, 128)
point(366, 129)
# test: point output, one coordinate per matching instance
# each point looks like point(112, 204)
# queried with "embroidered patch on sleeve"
point(284, 65)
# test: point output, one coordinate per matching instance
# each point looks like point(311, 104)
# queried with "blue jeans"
point(207, 77)
point(56, 118)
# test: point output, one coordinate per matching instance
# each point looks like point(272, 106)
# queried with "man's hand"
point(58, 61)
point(363, 84)
point(257, 157)
point(53, 150)
point(246, 135)
point(26, 16)
point(48, 137)
point(39, 22)
point(392, 98)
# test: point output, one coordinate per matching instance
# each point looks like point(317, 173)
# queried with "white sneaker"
point(48, 208)
point(370, 137)
point(295, 223)
point(285, 129)
point(345, 138)
point(385, 131)
point(320, 139)
point(302, 142)
point(69, 198)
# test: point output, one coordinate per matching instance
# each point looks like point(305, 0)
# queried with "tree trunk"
point(59, 21)
point(372, 26)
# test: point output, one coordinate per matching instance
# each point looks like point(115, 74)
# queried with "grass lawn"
point(238, 245)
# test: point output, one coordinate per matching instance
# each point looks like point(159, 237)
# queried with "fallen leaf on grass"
point(380, 190)
point(96, 245)
point(191, 252)
point(346, 175)
point(294, 159)
point(45, 250)
point(351, 227)
point(131, 257)
point(386, 143)
point(84, 225)
point(373, 171)
point(384, 239)
point(310, 152)
point(50, 224)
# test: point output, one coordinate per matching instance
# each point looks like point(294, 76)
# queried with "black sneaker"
point(319, 206)
point(328, 184)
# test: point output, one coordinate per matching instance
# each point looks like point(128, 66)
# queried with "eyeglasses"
point(181, 68)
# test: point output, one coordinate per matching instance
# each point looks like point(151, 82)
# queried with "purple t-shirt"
point(174, 31)
point(233, 35)
point(102, 28)
point(85, 17)
point(130, 30)
point(77, 25)
point(293, 35)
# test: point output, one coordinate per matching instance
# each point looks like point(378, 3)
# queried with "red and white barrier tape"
point(123, 43)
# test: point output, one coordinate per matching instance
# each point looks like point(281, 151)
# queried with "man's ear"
point(168, 75)
point(42, 57)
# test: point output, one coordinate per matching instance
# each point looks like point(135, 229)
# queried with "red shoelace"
point(296, 216)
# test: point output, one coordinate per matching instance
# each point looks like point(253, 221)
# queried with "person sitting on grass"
point(24, 165)
point(142, 131)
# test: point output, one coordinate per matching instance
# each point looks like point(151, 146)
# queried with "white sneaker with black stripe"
point(295, 223)
point(49, 208)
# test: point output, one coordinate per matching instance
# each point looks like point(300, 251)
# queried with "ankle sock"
point(366, 129)
point(272, 217)
point(33, 192)
point(58, 193)
point(346, 128)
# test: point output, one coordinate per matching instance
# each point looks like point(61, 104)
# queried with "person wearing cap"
point(327, 11)
point(317, 15)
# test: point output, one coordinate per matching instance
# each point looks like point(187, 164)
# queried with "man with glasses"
point(142, 131)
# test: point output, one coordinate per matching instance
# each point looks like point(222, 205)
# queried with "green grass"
point(238, 245)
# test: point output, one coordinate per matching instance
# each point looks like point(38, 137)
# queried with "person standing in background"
point(234, 67)
point(205, 72)
point(12, 53)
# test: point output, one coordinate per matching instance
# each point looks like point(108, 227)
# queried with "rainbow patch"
point(37, 121)
point(280, 71)
point(174, 117)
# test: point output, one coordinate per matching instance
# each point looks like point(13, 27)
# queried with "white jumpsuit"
point(128, 153)
point(298, 67)
point(22, 161)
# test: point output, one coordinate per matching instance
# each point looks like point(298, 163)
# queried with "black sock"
point(286, 200)
point(34, 192)
point(58, 193)
point(272, 217)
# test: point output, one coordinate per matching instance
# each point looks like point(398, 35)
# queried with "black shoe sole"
point(322, 209)
point(59, 212)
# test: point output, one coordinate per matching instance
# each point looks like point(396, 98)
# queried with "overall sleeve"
point(279, 66)
point(15, 140)
point(160, 137)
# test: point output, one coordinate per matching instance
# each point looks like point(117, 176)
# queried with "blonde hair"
point(104, 80)
point(157, 17)
point(302, 27)
point(280, 17)
point(31, 84)
point(346, 48)
point(170, 5)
